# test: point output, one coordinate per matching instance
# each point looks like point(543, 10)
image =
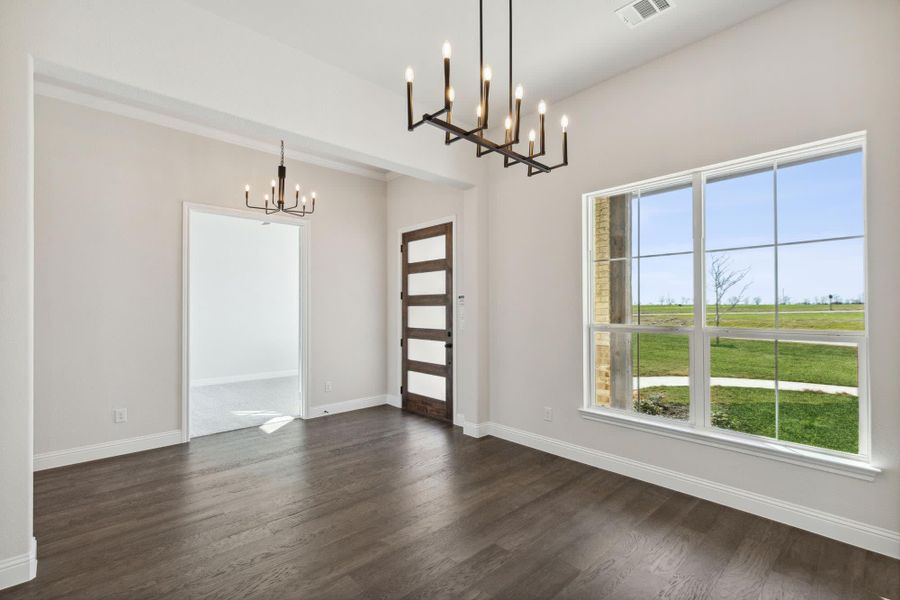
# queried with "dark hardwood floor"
point(381, 504)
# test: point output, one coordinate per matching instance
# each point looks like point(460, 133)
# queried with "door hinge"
point(401, 342)
point(401, 247)
point(401, 295)
point(401, 390)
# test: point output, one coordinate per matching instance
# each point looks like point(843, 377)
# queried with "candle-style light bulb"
point(273, 183)
point(266, 197)
point(313, 195)
point(303, 200)
point(508, 123)
point(542, 107)
point(445, 49)
point(410, 75)
point(532, 136)
point(298, 187)
point(564, 122)
point(478, 111)
point(247, 188)
point(487, 72)
point(520, 92)
point(451, 95)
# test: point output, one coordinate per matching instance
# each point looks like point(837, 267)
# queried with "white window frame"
point(697, 428)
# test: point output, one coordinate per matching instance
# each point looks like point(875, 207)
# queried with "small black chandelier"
point(454, 133)
point(277, 202)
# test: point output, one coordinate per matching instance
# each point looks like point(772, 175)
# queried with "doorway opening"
point(244, 321)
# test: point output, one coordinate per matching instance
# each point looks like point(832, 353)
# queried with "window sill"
point(848, 467)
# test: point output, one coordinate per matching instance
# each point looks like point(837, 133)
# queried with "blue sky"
point(816, 199)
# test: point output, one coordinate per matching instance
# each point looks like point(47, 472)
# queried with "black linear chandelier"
point(278, 205)
point(454, 133)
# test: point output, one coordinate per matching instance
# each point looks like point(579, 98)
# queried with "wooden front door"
point(427, 321)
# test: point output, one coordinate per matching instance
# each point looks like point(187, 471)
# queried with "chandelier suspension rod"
point(509, 111)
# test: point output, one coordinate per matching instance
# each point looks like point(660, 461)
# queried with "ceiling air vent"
point(636, 13)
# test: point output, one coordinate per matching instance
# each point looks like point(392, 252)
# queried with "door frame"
point(303, 333)
point(398, 311)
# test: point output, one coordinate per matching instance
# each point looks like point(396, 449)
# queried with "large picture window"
point(729, 302)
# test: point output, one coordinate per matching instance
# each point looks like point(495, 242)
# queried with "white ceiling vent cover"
point(636, 13)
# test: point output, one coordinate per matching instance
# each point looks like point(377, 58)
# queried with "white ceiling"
point(561, 47)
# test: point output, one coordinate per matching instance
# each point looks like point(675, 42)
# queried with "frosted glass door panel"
point(427, 317)
point(431, 386)
point(427, 351)
point(433, 248)
point(431, 282)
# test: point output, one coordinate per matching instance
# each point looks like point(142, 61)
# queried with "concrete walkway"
point(766, 384)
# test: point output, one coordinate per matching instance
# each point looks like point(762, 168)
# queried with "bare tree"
point(724, 278)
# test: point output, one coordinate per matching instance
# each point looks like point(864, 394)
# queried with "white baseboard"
point(244, 377)
point(394, 401)
point(339, 407)
point(476, 430)
point(61, 458)
point(856, 533)
point(19, 569)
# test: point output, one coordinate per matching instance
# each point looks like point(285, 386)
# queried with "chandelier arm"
point(426, 117)
point(254, 207)
point(469, 132)
point(503, 149)
point(300, 213)
point(303, 212)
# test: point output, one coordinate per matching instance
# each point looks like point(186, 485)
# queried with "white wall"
point(411, 202)
point(808, 70)
point(245, 298)
point(109, 270)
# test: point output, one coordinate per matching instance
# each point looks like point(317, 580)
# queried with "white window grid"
point(700, 333)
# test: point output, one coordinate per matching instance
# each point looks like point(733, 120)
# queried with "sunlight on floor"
point(276, 423)
point(225, 407)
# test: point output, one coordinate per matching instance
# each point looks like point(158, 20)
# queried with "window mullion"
point(698, 371)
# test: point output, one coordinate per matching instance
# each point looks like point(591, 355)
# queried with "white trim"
point(59, 92)
point(870, 537)
point(393, 400)
point(245, 377)
point(457, 330)
point(848, 141)
point(19, 569)
point(305, 309)
point(334, 408)
point(476, 430)
point(743, 443)
point(80, 454)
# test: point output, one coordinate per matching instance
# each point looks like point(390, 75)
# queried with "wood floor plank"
point(378, 503)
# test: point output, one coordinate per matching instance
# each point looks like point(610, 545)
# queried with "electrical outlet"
point(120, 415)
point(548, 413)
point(329, 386)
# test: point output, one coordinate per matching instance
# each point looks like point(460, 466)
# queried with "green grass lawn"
point(811, 418)
point(667, 354)
point(791, 316)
